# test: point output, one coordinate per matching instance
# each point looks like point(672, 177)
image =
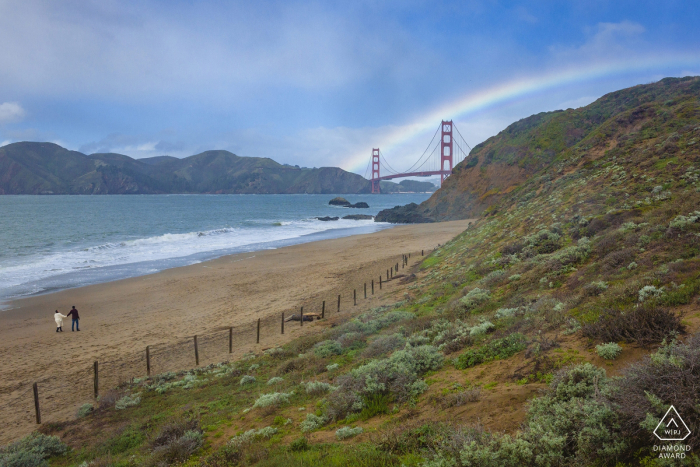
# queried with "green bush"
point(272, 399)
point(347, 432)
point(128, 401)
point(318, 387)
point(85, 410)
point(474, 298)
point(328, 348)
point(247, 379)
point(312, 422)
point(608, 351)
point(250, 436)
point(32, 451)
point(299, 444)
point(497, 349)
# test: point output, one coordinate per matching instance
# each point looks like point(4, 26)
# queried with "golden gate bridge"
point(451, 152)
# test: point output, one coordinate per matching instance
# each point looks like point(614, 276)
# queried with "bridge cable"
point(426, 149)
point(387, 164)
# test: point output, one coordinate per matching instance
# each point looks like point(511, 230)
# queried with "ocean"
point(51, 243)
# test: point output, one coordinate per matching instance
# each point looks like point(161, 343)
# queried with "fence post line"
point(372, 286)
point(148, 360)
point(323, 309)
point(283, 322)
point(301, 316)
point(36, 404)
point(97, 379)
point(257, 338)
point(230, 339)
point(338, 303)
point(196, 351)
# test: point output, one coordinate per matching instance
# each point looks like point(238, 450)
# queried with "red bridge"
point(431, 162)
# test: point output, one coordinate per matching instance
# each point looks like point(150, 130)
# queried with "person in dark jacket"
point(73, 313)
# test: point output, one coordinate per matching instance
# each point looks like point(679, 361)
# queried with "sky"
point(319, 83)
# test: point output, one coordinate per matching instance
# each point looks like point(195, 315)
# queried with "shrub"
point(128, 401)
point(631, 266)
point(495, 350)
point(481, 329)
point(250, 436)
point(318, 387)
point(683, 222)
point(608, 351)
point(272, 399)
point(247, 379)
point(457, 399)
point(328, 348)
point(595, 288)
point(312, 422)
point(506, 312)
point(514, 277)
point(32, 451)
point(347, 432)
point(383, 345)
point(177, 450)
point(646, 390)
point(275, 380)
point(332, 366)
point(474, 298)
point(650, 291)
point(299, 444)
point(85, 410)
point(643, 325)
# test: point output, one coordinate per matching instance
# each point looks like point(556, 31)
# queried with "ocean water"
point(50, 243)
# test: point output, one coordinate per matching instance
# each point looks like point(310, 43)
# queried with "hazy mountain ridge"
point(47, 168)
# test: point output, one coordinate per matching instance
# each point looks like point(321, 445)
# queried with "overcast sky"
point(318, 83)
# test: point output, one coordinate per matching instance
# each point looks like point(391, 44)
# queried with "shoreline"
point(148, 268)
point(165, 309)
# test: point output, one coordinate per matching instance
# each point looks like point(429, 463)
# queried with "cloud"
point(605, 41)
point(5, 143)
point(11, 112)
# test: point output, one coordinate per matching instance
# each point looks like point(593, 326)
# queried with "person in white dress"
point(59, 320)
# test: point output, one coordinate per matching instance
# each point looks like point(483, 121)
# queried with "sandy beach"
point(164, 310)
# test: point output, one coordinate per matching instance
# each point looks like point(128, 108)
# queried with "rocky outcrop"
point(340, 202)
point(327, 218)
point(361, 204)
point(408, 214)
point(358, 217)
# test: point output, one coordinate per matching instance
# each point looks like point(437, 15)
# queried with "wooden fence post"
point(380, 282)
point(421, 252)
point(323, 309)
point(365, 289)
point(301, 316)
point(283, 322)
point(36, 404)
point(148, 361)
point(257, 338)
point(354, 297)
point(196, 351)
point(372, 286)
point(97, 380)
point(230, 339)
point(338, 303)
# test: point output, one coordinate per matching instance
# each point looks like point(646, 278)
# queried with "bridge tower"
point(375, 171)
point(446, 149)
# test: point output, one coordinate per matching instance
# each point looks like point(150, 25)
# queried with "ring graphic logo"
point(672, 427)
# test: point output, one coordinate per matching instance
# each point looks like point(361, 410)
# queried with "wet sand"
point(119, 319)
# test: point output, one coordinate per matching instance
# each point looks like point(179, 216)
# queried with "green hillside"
point(555, 331)
point(46, 168)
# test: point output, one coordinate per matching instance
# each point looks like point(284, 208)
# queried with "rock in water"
point(361, 204)
point(358, 217)
point(339, 202)
point(325, 219)
point(403, 215)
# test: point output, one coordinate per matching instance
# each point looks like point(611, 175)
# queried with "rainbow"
point(510, 91)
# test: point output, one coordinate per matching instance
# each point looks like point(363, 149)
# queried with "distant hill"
point(46, 168)
point(407, 186)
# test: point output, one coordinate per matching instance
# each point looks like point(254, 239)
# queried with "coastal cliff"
point(638, 125)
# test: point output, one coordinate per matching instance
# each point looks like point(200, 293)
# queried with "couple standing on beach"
point(59, 320)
